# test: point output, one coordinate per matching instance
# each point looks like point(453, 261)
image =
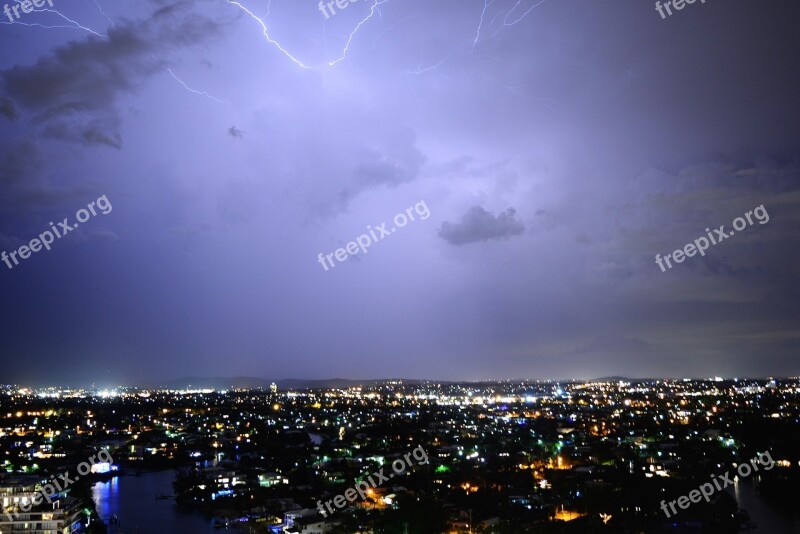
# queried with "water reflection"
point(132, 500)
point(106, 498)
point(765, 518)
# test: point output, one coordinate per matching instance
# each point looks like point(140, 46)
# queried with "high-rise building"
point(18, 495)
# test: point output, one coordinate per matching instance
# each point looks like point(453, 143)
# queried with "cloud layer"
point(559, 150)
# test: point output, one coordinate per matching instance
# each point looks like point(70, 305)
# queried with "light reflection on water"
point(106, 498)
point(767, 519)
point(133, 501)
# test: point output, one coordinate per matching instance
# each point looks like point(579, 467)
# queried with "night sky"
point(558, 145)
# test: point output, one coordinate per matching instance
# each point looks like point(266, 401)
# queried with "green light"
point(442, 469)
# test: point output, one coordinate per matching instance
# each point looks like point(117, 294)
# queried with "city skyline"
point(304, 384)
point(609, 456)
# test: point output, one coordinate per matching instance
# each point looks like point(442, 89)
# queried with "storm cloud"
point(477, 224)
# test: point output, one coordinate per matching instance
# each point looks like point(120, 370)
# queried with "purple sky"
point(559, 146)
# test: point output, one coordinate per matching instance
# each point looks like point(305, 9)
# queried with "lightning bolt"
point(97, 3)
point(494, 19)
point(75, 24)
point(393, 26)
point(486, 5)
point(505, 20)
point(372, 11)
point(420, 70)
point(265, 32)
point(195, 91)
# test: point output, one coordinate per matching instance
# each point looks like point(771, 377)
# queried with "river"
point(768, 519)
point(133, 500)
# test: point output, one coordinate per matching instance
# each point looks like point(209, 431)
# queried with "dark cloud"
point(396, 162)
point(100, 137)
point(7, 109)
point(73, 92)
point(233, 131)
point(477, 224)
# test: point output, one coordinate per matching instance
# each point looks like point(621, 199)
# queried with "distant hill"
point(249, 382)
point(618, 379)
point(206, 382)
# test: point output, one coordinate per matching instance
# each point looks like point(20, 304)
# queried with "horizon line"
point(355, 381)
